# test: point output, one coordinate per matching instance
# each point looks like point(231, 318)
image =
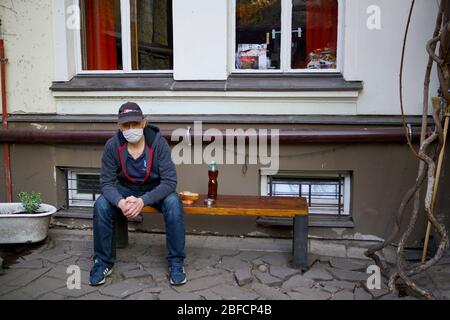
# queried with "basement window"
point(83, 187)
point(328, 194)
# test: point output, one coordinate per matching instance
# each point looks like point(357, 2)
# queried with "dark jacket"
point(161, 179)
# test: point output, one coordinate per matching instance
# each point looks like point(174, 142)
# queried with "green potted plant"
point(26, 221)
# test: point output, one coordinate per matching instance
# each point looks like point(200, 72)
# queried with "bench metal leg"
point(121, 231)
point(300, 242)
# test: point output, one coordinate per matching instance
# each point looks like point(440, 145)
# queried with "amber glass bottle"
point(213, 173)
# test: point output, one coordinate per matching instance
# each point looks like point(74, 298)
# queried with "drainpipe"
point(6, 156)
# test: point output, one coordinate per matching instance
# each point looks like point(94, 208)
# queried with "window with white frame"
point(327, 193)
point(286, 35)
point(125, 36)
point(83, 187)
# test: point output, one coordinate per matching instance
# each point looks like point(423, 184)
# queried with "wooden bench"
point(231, 205)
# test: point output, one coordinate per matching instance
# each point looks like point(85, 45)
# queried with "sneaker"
point(98, 274)
point(177, 275)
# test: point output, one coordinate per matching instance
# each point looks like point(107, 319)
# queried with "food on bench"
point(188, 196)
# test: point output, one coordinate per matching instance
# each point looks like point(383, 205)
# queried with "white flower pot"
point(24, 228)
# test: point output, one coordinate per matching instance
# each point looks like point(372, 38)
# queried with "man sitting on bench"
point(137, 171)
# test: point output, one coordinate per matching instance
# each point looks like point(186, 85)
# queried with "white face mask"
point(133, 135)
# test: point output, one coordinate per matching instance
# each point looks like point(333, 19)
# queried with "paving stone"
point(123, 289)
point(55, 258)
point(208, 295)
point(297, 282)
point(160, 275)
point(97, 296)
point(137, 273)
point(343, 295)
point(10, 275)
point(348, 275)
point(142, 296)
point(283, 272)
point(263, 268)
point(250, 255)
point(318, 275)
point(146, 259)
point(205, 262)
point(203, 273)
point(361, 294)
point(153, 290)
point(76, 293)
point(43, 285)
point(201, 284)
point(277, 258)
point(5, 290)
point(243, 276)
point(173, 295)
point(234, 293)
point(120, 266)
point(444, 261)
point(231, 264)
point(51, 296)
point(300, 296)
point(257, 262)
point(357, 253)
point(312, 259)
point(60, 272)
point(329, 289)
point(269, 293)
point(84, 264)
point(267, 279)
point(440, 279)
point(347, 264)
point(27, 277)
point(340, 284)
point(18, 294)
point(445, 295)
point(377, 293)
point(29, 264)
point(328, 249)
point(389, 296)
point(314, 292)
point(79, 253)
point(71, 261)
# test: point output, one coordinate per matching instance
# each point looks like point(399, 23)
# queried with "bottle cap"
point(213, 166)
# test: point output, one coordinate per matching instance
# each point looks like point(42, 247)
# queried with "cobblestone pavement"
point(217, 268)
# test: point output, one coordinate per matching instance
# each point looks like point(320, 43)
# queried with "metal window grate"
point(325, 195)
point(82, 188)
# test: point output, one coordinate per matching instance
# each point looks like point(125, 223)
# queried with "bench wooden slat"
point(247, 206)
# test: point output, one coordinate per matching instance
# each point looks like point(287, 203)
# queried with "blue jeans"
point(105, 214)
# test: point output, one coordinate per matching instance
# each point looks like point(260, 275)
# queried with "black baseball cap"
point(130, 112)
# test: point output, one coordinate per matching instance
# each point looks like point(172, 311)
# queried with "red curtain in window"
point(321, 24)
point(100, 34)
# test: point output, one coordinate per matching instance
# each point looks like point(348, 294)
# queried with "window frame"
point(347, 191)
point(286, 39)
point(83, 200)
point(125, 17)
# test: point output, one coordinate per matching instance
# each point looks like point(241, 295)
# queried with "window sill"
point(235, 83)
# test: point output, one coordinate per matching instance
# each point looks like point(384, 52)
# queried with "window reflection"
point(258, 34)
point(314, 34)
point(151, 34)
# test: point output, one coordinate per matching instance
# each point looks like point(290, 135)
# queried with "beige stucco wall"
point(27, 29)
point(371, 56)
